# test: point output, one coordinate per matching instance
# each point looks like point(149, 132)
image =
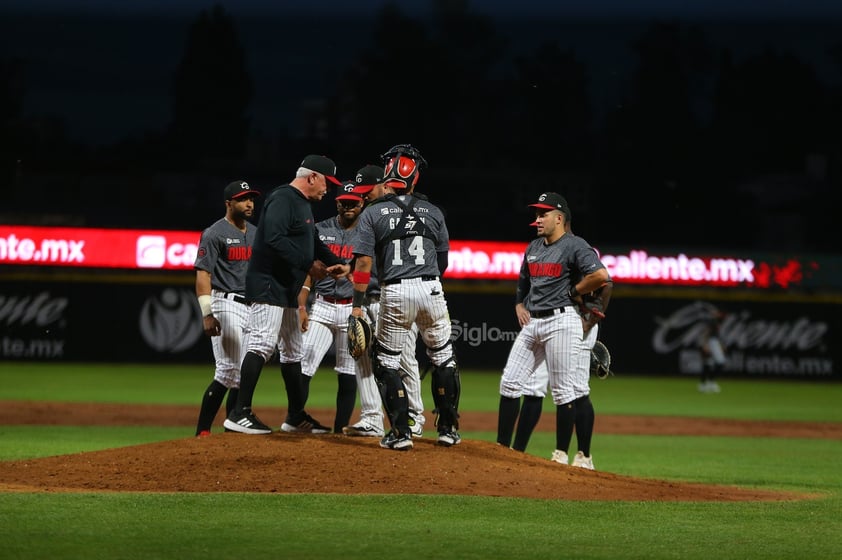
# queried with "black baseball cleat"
point(448, 438)
point(246, 422)
point(306, 424)
point(398, 442)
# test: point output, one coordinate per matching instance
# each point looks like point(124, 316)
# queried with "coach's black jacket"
point(284, 249)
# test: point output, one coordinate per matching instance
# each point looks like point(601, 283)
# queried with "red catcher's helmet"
point(402, 165)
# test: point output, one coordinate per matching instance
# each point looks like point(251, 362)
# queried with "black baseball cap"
point(239, 189)
point(367, 177)
point(323, 165)
point(552, 201)
point(347, 192)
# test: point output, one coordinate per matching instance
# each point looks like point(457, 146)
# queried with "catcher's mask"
point(402, 165)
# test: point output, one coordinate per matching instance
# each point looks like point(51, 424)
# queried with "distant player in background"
point(221, 263)
point(713, 353)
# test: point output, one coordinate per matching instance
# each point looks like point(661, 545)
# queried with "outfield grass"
point(186, 526)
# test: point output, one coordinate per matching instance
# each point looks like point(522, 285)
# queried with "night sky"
point(109, 81)
point(105, 71)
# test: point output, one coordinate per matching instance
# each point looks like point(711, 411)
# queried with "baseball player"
point(326, 323)
point(536, 387)
point(711, 346)
point(409, 238)
point(547, 303)
point(286, 251)
point(221, 262)
point(369, 183)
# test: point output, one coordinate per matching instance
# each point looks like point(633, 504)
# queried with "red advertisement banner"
point(468, 260)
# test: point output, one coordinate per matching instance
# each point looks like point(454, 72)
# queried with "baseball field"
point(98, 461)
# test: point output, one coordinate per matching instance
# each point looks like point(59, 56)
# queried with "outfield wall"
point(155, 318)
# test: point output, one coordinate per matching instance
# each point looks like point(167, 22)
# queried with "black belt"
point(340, 301)
point(399, 280)
point(541, 313)
point(233, 296)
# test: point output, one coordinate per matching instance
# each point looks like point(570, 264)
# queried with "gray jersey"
point(342, 243)
point(548, 271)
point(224, 251)
point(405, 245)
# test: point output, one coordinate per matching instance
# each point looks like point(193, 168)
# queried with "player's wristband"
point(359, 298)
point(362, 278)
point(205, 305)
point(305, 288)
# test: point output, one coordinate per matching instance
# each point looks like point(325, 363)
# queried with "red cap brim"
point(334, 180)
point(245, 193)
point(349, 197)
point(544, 206)
point(363, 189)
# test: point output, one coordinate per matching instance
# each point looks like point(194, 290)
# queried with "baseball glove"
point(359, 336)
point(600, 360)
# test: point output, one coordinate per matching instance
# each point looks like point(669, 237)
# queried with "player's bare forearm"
point(203, 283)
point(304, 294)
point(522, 314)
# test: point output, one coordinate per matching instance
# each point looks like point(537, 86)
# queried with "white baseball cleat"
point(583, 462)
point(559, 456)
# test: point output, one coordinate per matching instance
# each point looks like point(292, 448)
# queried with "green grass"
point(186, 526)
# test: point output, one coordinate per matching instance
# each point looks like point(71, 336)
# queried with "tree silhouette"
point(422, 82)
point(769, 113)
point(550, 110)
point(212, 91)
point(652, 142)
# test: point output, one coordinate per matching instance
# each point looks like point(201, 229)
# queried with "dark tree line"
point(701, 149)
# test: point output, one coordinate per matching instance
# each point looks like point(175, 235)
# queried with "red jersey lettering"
point(545, 269)
point(239, 253)
point(341, 251)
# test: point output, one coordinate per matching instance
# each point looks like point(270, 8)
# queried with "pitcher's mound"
point(294, 463)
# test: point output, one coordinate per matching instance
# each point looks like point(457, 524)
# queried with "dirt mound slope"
point(296, 463)
point(293, 463)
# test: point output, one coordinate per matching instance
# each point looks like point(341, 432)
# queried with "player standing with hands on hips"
point(221, 263)
point(408, 236)
point(286, 250)
point(546, 304)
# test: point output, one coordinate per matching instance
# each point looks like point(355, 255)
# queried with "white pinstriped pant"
point(328, 325)
point(536, 384)
point(271, 327)
point(371, 405)
point(228, 346)
point(558, 340)
point(414, 301)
